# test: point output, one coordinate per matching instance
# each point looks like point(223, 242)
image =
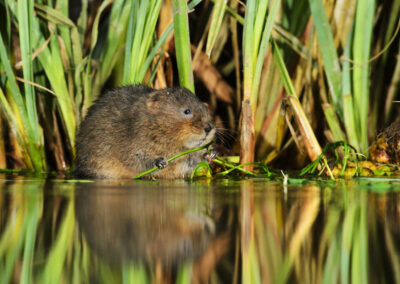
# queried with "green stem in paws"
point(174, 158)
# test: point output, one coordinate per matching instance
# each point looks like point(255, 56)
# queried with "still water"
point(248, 231)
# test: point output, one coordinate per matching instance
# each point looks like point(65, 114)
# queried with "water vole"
point(134, 128)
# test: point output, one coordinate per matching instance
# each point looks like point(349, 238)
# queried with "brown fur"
point(129, 128)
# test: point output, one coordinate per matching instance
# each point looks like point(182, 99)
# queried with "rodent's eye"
point(187, 111)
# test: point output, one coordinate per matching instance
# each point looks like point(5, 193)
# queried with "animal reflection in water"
point(135, 225)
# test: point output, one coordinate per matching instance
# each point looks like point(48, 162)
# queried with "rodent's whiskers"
point(226, 132)
point(224, 136)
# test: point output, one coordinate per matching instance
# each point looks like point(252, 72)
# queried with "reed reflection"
point(249, 231)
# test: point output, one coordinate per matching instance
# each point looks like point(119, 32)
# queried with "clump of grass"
point(322, 164)
point(311, 57)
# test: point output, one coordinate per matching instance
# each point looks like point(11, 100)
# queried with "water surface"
point(248, 231)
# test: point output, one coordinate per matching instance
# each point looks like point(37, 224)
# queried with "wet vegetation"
point(283, 77)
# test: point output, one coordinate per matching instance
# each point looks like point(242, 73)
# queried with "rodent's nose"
point(208, 128)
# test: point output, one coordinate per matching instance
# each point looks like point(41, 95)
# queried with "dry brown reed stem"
point(208, 74)
point(211, 77)
point(247, 135)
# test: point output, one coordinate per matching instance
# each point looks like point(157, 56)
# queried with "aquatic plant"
point(331, 67)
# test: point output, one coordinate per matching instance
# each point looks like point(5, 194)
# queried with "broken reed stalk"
point(310, 141)
point(247, 135)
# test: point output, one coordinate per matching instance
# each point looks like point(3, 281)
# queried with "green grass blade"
point(182, 44)
point(128, 45)
point(19, 128)
point(361, 52)
point(264, 45)
point(138, 26)
point(50, 59)
point(90, 88)
point(333, 122)
point(25, 15)
point(259, 27)
point(153, 52)
point(146, 64)
point(26, 133)
point(55, 17)
point(16, 94)
point(328, 52)
point(68, 31)
point(62, 8)
point(141, 28)
point(82, 20)
point(8, 23)
point(348, 106)
point(119, 18)
point(215, 25)
point(149, 29)
point(95, 29)
point(349, 121)
point(287, 82)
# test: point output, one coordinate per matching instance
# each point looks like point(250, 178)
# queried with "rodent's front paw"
point(160, 162)
point(210, 156)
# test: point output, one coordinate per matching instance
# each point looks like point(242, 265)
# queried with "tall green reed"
point(256, 34)
point(364, 24)
point(142, 22)
point(349, 98)
point(75, 72)
point(67, 64)
point(182, 44)
point(21, 110)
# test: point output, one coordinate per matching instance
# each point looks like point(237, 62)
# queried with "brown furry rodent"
point(134, 128)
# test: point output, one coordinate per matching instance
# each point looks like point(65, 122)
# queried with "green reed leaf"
point(182, 44)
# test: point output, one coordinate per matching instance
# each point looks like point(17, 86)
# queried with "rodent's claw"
point(160, 162)
point(210, 156)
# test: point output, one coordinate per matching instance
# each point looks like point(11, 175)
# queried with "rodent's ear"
point(154, 100)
